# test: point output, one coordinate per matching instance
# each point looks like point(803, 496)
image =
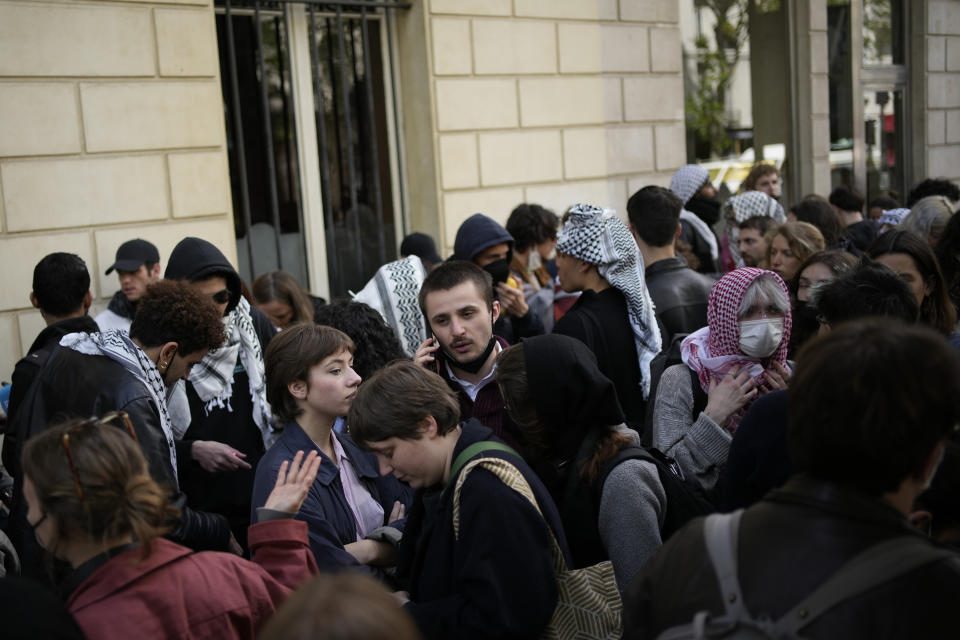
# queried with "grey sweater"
point(632, 508)
point(699, 446)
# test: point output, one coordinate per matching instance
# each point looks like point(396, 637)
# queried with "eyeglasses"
point(65, 442)
point(222, 296)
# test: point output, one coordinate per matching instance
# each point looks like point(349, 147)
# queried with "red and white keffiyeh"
point(715, 349)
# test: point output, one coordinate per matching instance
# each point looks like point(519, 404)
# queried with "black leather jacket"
point(73, 384)
point(680, 296)
point(789, 544)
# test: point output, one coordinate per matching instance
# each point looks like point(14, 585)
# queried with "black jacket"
point(27, 370)
point(680, 296)
point(790, 543)
point(227, 493)
point(73, 384)
point(601, 321)
point(497, 579)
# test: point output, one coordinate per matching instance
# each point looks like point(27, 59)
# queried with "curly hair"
point(376, 342)
point(111, 494)
point(172, 311)
point(530, 225)
point(759, 170)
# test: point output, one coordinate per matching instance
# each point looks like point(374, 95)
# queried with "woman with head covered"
point(739, 355)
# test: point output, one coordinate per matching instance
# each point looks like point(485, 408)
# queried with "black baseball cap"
point(132, 254)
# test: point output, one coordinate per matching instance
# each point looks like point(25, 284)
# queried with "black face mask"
point(805, 323)
point(472, 366)
point(499, 269)
point(707, 209)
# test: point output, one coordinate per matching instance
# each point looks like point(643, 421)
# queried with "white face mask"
point(760, 338)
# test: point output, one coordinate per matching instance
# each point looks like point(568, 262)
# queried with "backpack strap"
point(472, 450)
point(877, 565)
point(721, 532)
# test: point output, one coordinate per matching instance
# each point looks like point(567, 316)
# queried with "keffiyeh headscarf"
point(118, 346)
point(688, 180)
point(600, 238)
point(715, 349)
point(212, 377)
point(893, 217)
point(740, 208)
point(685, 184)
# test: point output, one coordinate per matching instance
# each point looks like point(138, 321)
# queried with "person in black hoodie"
point(221, 413)
point(611, 501)
point(484, 242)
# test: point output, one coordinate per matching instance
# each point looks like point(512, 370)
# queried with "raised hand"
point(293, 482)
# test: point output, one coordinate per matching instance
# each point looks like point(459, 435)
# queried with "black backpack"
point(660, 363)
point(685, 499)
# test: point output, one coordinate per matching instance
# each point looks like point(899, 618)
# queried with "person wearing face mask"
point(740, 355)
point(872, 406)
point(701, 211)
point(484, 242)
point(534, 232)
point(110, 371)
point(819, 268)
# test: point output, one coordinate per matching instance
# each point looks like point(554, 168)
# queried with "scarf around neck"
point(118, 346)
point(212, 377)
point(715, 349)
point(598, 237)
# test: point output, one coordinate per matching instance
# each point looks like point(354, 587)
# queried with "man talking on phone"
point(458, 304)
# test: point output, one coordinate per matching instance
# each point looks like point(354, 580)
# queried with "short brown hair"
point(289, 357)
point(173, 311)
point(452, 274)
point(118, 495)
point(345, 606)
point(394, 402)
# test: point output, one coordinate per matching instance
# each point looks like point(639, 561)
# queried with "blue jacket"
point(325, 510)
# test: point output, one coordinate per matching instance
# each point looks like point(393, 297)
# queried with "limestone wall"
point(111, 127)
point(943, 89)
point(552, 101)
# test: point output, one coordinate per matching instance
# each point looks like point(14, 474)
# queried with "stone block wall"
point(552, 101)
point(943, 89)
point(111, 127)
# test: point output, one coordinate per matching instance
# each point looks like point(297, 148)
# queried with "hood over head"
point(479, 232)
point(570, 393)
point(196, 259)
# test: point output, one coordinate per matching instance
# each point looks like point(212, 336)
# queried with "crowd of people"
point(731, 414)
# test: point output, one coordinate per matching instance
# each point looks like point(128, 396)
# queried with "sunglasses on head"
point(222, 296)
point(65, 442)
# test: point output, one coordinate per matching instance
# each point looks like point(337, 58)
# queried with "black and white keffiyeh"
point(742, 207)
point(685, 184)
point(212, 377)
point(600, 238)
point(118, 346)
point(688, 180)
point(394, 292)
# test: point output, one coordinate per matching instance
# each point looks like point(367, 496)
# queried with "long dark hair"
point(936, 308)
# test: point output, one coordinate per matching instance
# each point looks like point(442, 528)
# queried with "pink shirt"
point(367, 512)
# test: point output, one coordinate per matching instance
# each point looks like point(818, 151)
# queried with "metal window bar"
point(352, 194)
